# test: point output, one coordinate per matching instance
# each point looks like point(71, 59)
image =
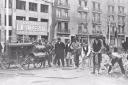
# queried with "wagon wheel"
point(26, 63)
point(37, 64)
point(5, 64)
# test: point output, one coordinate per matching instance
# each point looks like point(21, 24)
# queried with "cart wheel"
point(5, 64)
point(26, 63)
point(38, 64)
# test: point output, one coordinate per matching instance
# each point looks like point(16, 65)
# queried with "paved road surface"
point(58, 76)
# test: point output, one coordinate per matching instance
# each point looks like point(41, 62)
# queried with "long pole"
point(7, 20)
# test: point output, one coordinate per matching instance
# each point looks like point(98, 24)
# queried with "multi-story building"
point(61, 19)
point(89, 18)
point(24, 19)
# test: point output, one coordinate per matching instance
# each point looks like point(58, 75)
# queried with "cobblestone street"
point(58, 76)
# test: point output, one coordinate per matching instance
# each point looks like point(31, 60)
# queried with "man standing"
point(116, 57)
point(59, 51)
point(76, 51)
point(1, 48)
point(97, 55)
point(68, 53)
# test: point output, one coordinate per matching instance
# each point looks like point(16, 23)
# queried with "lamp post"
point(50, 17)
point(7, 20)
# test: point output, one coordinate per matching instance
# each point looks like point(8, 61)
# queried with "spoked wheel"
point(38, 64)
point(4, 64)
point(26, 63)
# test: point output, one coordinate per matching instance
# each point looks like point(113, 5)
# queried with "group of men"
point(72, 50)
point(62, 52)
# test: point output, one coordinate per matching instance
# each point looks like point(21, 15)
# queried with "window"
point(58, 12)
point(44, 8)
point(10, 20)
point(59, 26)
point(0, 19)
point(66, 13)
point(9, 3)
point(80, 15)
point(111, 9)
point(32, 19)
point(120, 9)
point(44, 20)
point(66, 26)
point(59, 2)
point(80, 28)
point(94, 5)
point(66, 1)
point(85, 16)
point(98, 6)
point(80, 2)
point(32, 6)
point(20, 18)
point(85, 3)
point(20, 4)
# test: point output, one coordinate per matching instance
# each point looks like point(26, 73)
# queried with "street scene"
point(63, 42)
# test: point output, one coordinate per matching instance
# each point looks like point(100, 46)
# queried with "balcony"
point(62, 5)
point(97, 22)
point(84, 21)
point(62, 18)
point(121, 14)
point(121, 23)
point(82, 32)
point(97, 32)
point(121, 31)
point(111, 13)
point(82, 9)
point(63, 32)
point(97, 10)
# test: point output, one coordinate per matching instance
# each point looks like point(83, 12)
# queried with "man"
point(59, 51)
point(97, 55)
point(77, 51)
point(1, 49)
point(68, 53)
point(124, 45)
point(116, 57)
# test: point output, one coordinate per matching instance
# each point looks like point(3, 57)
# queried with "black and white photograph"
point(63, 42)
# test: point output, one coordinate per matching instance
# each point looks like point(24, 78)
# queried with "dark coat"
point(1, 48)
point(59, 49)
point(68, 48)
point(125, 46)
point(97, 46)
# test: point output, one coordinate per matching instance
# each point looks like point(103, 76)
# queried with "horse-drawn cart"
point(23, 55)
point(15, 53)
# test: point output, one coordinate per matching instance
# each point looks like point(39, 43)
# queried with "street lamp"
point(7, 20)
point(50, 17)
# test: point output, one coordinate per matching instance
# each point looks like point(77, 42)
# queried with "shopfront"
point(28, 31)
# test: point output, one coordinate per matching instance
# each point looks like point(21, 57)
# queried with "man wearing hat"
point(97, 58)
point(59, 51)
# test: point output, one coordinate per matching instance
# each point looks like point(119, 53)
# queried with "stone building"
point(105, 18)
point(60, 20)
point(24, 19)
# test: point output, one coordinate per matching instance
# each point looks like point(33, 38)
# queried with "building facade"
point(60, 20)
point(24, 20)
point(105, 18)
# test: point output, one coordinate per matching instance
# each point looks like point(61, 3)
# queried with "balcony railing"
point(96, 32)
point(97, 10)
point(66, 32)
point(82, 9)
point(63, 5)
point(121, 22)
point(96, 22)
point(121, 13)
point(111, 13)
point(83, 32)
point(63, 18)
